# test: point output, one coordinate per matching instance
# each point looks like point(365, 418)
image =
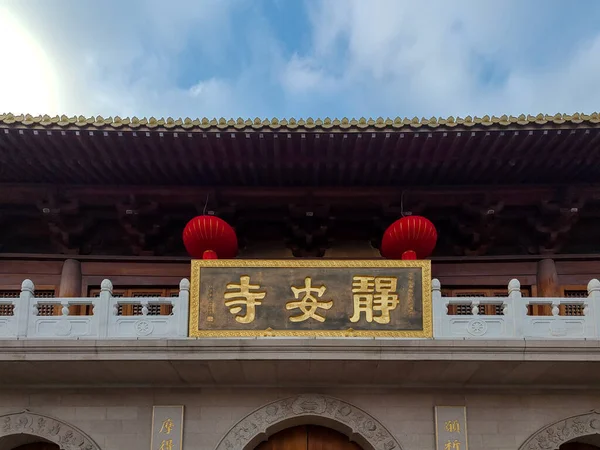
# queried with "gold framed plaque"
point(311, 298)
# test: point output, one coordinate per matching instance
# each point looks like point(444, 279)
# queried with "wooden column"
point(547, 279)
point(70, 279)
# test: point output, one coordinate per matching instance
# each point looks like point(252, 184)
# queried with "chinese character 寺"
point(452, 445)
point(242, 296)
point(309, 303)
point(452, 426)
point(167, 426)
point(166, 445)
point(374, 294)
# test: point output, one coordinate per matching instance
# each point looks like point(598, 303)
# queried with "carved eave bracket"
point(477, 226)
point(141, 221)
point(553, 225)
point(308, 230)
point(66, 224)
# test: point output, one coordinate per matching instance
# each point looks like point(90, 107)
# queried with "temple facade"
point(114, 338)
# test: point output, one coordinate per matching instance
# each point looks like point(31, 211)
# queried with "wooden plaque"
point(309, 298)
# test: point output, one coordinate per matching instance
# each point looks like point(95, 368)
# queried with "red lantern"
point(209, 237)
point(411, 237)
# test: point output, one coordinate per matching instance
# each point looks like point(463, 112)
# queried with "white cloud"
point(119, 59)
point(382, 57)
point(427, 57)
point(303, 75)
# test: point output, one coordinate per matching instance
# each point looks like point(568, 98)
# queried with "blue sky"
point(287, 58)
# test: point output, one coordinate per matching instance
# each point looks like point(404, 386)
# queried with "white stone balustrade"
point(509, 317)
point(153, 317)
point(107, 317)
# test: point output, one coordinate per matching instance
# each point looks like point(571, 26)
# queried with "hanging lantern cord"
point(402, 204)
point(205, 204)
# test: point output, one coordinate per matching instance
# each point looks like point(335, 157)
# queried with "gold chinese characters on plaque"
point(451, 428)
point(167, 428)
point(367, 298)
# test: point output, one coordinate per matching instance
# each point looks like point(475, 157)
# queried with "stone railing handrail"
point(579, 319)
point(30, 317)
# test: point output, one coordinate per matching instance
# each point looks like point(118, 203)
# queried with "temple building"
point(388, 284)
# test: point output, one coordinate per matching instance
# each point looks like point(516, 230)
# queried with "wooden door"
point(308, 438)
point(38, 446)
point(577, 446)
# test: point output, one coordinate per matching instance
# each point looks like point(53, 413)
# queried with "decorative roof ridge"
point(46, 121)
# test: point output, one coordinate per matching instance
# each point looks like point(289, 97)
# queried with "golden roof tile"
point(327, 124)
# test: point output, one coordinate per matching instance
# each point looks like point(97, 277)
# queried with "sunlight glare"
point(27, 78)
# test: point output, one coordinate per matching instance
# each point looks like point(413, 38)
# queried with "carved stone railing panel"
point(103, 322)
point(512, 321)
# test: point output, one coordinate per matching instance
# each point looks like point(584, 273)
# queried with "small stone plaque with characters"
point(167, 428)
point(451, 428)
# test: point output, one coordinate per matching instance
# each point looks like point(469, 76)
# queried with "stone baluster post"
point(592, 305)
point(181, 308)
point(24, 308)
point(439, 308)
point(515, 310)
point(102, 307)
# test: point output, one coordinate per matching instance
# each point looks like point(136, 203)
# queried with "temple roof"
point(342, 125)
point(384, 152)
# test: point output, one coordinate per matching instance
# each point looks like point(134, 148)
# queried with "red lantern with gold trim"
point(411, 237)
point(209, 237)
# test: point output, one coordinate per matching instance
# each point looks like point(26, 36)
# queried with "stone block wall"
point(120, 419)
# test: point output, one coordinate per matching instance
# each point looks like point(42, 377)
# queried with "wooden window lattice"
point(575, 293)
point(565, 309)
point(487, 309)
point(7, 310)
point(153, 310)
point(572, 310)
point(136, 310)
point(43, 309)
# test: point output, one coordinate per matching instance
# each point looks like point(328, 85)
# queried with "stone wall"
point(120, 419)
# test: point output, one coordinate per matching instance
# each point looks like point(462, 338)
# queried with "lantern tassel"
point(409, 255)
point(209, 254)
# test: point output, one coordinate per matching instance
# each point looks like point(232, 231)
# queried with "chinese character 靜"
point(167, 426)
point(242, 296)
point(374, 294)
point(166, 445)
point(308, 304)
point(452, 426)
point(452, 445)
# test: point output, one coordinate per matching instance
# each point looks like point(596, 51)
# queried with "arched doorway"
point(308, 410)
point(31, 431)
point(308, 437)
